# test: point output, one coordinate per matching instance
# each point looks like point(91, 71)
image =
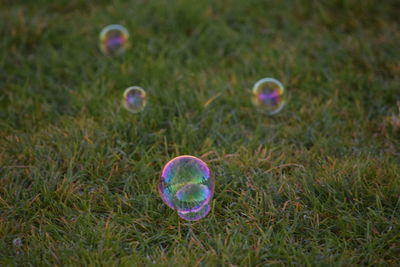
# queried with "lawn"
point(317, 184)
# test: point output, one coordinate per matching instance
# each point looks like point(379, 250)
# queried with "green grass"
point(317, 184)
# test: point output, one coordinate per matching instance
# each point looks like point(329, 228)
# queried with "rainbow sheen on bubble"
point(269, 96)
point(197, 215)
point(134, 99)
point(186, 185)
point(114, 40)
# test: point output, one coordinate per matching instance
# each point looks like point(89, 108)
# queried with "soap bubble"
point(114, 40)
point(186, 186)
point(134, 99)
point(269, 95)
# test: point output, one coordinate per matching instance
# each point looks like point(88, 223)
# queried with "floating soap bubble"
point(134, 99)
point(114, 40)
point(269, 96)
point(186, 186)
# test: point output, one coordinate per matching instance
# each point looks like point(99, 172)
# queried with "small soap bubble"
point(186, 185)
point(134, 99)
point(114, 40)
point(269, 96)
point(17, 242)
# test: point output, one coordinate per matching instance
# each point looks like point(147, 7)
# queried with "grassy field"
point(317, 184)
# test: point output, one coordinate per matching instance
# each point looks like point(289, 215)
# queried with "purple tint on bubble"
point(271, 97)
point(197, 215)
point(116, 41)
point(132, 99)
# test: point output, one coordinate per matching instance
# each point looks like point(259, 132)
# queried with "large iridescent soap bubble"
point(186, 185)
point(269, 96)
point(134, 99)
point(114, 40)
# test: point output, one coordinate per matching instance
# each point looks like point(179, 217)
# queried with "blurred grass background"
point(318, 184)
